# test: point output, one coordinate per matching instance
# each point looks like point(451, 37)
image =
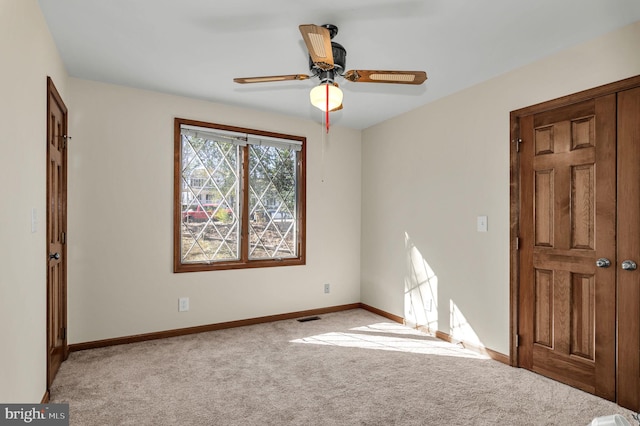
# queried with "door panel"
point(566, 304)
point(57, 350)
point(583, 314)
point(543, 308)
point(629, 248)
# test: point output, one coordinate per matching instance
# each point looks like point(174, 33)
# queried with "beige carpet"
point(348, 368)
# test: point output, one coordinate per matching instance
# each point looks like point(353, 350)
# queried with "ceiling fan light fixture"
point(318, 96)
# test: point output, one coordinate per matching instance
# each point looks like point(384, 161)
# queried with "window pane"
point(210, 200)
point(273, 224)
point(239, 198)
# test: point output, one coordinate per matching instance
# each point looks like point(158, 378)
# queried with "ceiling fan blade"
point(398, 77)
point(318, 41)
point(267, 79)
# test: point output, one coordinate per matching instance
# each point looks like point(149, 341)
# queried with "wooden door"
point(629, 248)
point(57, 349)
point(567, 305)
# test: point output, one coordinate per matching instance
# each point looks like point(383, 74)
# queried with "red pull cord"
point(327, 110)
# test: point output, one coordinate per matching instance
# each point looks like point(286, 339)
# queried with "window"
point(239, 198)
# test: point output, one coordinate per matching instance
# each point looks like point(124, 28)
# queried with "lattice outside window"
point(239, 198)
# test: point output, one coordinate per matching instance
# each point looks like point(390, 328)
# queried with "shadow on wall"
point(421, 307)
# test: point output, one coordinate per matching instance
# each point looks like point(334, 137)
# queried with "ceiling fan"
point(327, 60)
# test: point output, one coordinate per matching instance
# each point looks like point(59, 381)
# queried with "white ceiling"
point(196, 47)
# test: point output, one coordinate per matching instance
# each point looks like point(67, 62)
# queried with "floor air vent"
point(308, 319)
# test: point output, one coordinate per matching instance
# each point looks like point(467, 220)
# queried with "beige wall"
point(27, 56)
point(429, 173)
point(120, 219)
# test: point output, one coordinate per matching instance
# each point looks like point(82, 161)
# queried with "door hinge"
point(517, 243)
point(63, 237)
point(517, 141)
point(64, 333)
point(517, 340)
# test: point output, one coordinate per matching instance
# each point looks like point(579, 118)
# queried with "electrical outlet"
point(327, 288)
point(183, 304)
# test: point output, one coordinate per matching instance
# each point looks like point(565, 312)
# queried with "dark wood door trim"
point(515, 189)
point(628, 380)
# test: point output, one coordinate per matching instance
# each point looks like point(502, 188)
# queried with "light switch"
point(482, 224)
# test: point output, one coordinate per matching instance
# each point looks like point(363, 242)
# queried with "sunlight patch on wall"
point(420, 289)
point(390, 337)
point(460, 329)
